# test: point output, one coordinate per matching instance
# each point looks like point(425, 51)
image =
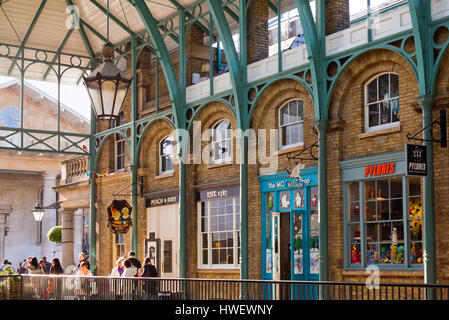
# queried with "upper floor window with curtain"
point(166, 155)
point(221, 142)
point(291, 125)
point(382, 102)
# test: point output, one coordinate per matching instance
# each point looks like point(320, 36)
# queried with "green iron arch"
point(146, 127)
point(357, 55)
point(267, 86)
point(203, 105)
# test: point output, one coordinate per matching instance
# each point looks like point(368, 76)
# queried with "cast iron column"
point(322, 126)
point(426, 102)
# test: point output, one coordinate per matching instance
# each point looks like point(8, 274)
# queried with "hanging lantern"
point(107, 86)
point(38, 212)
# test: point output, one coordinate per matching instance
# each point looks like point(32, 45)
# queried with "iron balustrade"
point(70, 287)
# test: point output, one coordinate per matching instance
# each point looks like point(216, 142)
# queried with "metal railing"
point(69, 287)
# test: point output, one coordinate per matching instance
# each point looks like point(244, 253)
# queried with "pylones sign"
point(416, 160)
point(119, 216)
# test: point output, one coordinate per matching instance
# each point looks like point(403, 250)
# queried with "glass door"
point(297, 245)
point(276, 239)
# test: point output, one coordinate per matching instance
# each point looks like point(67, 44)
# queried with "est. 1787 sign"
point(119, 216)
point(416, 160)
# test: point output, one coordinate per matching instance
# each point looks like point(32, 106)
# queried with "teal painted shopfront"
point(290, 226)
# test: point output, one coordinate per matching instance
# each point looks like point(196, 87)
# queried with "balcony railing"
point(69, 287)
point(75, 169)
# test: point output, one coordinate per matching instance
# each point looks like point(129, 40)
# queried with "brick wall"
point(337, 15)
point(257, 28)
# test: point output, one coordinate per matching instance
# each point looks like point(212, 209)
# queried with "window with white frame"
point(166, 155)
point(219, 233)
point(221, 142)
point(120, 144)
point(291, 124)
point(382, 102)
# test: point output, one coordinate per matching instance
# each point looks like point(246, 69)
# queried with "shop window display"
point(380, 230)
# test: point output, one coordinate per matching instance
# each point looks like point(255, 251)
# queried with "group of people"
point(132, 267)
point(126, 267)
point(31, 265)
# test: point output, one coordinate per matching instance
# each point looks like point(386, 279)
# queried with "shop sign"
point(416, 160)
point(380, 169)
point(162, 201)
point(119, 216)
point(218, 193)
point(289, 183)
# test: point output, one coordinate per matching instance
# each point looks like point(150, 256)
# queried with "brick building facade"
point(367, 128)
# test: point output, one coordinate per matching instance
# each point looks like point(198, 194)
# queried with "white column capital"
point(50, 175)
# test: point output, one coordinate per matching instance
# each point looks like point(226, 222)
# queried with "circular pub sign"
point(119, 216)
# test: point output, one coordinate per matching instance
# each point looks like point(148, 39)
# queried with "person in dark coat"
point(47, 265)
point(134, 261)
point(150, 287)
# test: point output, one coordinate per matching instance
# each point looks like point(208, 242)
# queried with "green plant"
point(55, 234)
point(7, 271)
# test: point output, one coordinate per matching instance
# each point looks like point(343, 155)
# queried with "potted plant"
point(55, 234)
point(10, 286)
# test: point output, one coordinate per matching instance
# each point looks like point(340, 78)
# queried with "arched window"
point(166, 155)
point(291, 125)
point(120, 145)
point(382, 102)
point(221, 142)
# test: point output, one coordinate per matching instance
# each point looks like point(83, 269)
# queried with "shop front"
point(382, 212)
point(162, 244)
point(290, 226)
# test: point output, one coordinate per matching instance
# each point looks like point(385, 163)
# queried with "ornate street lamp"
point(38, 212)
point(107, 86)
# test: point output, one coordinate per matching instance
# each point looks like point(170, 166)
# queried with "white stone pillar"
point(49, 220)
point(78, 233)
point(67, 237)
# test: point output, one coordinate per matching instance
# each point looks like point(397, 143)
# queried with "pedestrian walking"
point(134, 261)
point(150, 287)
point(117, 271)
point(34, 268)
point(82, 258)
point(5, 263)
point(128, 286)
point(21, 269)
point(47, 265)
point(119, 268)
point(84, 287)
point(55, 284)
